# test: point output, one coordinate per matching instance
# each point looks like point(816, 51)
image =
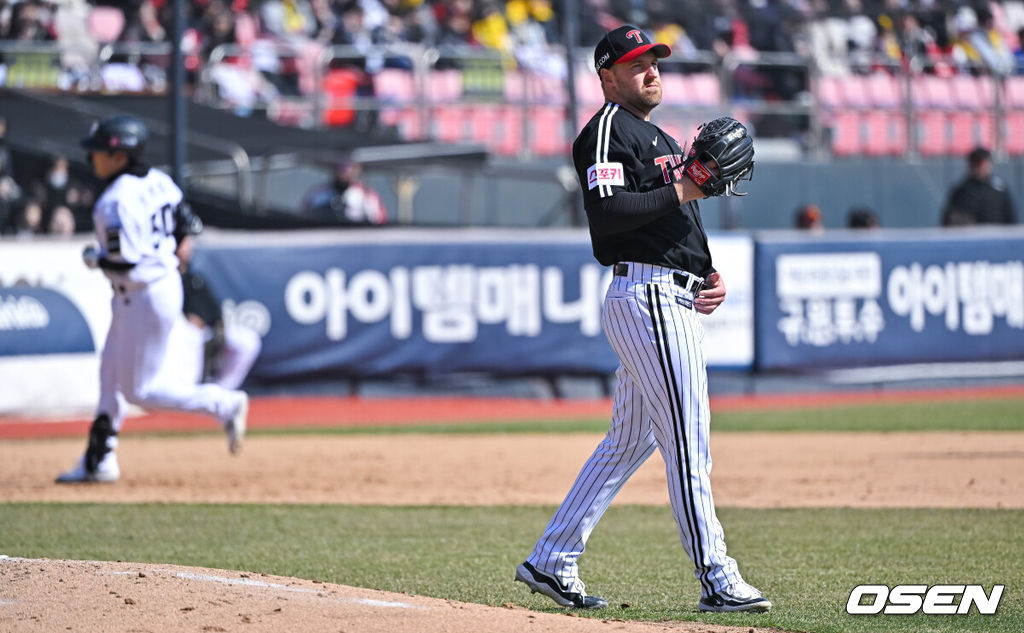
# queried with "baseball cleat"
point(539, 582)
point(235, 427)
point(737, 597)
point(106, 472)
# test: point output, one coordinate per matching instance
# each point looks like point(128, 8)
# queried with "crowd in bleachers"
point(832, 31)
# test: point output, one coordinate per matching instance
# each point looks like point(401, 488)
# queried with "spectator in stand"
point(346, 200)
point(56, 190)
point(455, 23)
point(917, 40)
point(62, 223)
point(981, 197)
point(861, 217)
point(31, 21)
point(979, 45)
point(28, 220)
point(490, 29)
point(10, 192)
point(808, 218)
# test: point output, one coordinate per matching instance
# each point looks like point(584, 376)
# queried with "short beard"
point(645, 102)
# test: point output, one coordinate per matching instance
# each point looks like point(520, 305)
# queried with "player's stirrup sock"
point(101, 431)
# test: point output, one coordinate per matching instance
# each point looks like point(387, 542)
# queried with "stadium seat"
point(676, 90)
point(514, 86)
point(339, 86)
point(544, 89)
point(828, 92)
point(886, 133)
point(1015, 92)
point(931, 134)
point(885, 91)
point(962, 132)
point(447, 123)
point(854, 91)
point(499, 127)
point(395, 86)
point(444, 86)
point(1014, 133)
point(705, 88)
point(105, 23)
point(547, 131)
point(588, 87)
point(972, 93)
point(846, 137)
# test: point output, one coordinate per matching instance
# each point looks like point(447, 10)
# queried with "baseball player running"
point(135, 216)
point(640, 196)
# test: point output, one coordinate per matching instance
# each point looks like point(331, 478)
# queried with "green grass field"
point(806, 560)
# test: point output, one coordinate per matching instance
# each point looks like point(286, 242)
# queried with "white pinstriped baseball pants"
point(661, 401)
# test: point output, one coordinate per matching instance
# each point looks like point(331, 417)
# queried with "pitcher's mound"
point(60, 595)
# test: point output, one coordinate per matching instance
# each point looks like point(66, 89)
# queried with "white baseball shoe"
point(737, 597)
point(235, 427)
point(106, 472)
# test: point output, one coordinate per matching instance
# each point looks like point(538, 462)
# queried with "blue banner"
point(377, 308)
point(847, 302)
point(41, 321)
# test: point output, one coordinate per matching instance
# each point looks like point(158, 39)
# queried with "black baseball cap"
point(623, 44)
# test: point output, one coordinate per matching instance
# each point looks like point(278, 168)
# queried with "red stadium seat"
point(514, 86)
point(846, 137)
point(973, 93)
point(931, 134)
point(675, 89)
point(547, 131)
point(339, 86)
point(498, 127)
point(1014, 133)
point(395, 85)
point(545, 89)
point(886, 133)
point(447, 123)
point(962, 137)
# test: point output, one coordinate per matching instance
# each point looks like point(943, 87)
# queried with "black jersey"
point(618, 156)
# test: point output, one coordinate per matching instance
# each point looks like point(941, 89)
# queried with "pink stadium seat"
point(973, 93)
point(444, 86)
point(938, 92)
point(884, 90)
point(828, 92)
point(498, 127)
point(1015, 133)
point(545, 89)
point(395, 85)
point(886, 133)
point(514, 86)
point(846, 138)
point(1015, 92)
point(962, 132)
point(931, 134)
point(706, 89)
point(407, 120)
point(447, 122)
point(547, 131)
point(105, 23)
point(854, 91)
point(588, 87)
point(676, 90)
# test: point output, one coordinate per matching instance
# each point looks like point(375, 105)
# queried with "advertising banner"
point(939, 297)
point(434, 302)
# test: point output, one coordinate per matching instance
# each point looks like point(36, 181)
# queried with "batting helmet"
point(117, 133)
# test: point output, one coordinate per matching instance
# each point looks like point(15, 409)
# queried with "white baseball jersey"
point(134, 219)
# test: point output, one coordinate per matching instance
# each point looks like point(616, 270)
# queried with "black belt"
point(680, 279)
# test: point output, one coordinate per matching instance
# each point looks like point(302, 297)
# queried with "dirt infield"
point(935, 469)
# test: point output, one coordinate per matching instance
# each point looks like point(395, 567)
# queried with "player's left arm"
point(712, 295)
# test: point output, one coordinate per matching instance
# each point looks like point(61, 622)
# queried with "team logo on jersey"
point(655, 141)
point(605, 174)
point(698, 172)
point(667, 162)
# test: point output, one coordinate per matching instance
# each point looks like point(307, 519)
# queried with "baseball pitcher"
point(640, 192)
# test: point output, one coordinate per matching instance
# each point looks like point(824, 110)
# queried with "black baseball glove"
point(722, 153)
